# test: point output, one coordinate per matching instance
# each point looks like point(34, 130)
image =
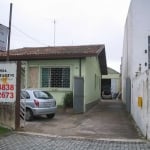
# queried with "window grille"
point(56, 77)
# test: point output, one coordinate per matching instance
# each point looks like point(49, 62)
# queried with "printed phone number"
point(7, 95)
point(7, 87)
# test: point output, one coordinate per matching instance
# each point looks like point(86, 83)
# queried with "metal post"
point(9, 33)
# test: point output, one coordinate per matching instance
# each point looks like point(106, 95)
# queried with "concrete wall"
point(137, 30)
point(140, 89)
point(7, 114)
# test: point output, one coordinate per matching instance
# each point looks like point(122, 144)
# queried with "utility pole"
point(9, 33)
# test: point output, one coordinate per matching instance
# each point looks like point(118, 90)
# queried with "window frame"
point(49, 79)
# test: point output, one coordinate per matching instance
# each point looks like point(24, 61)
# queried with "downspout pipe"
point(80, 61)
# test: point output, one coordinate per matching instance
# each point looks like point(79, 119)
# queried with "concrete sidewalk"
point(108, 119)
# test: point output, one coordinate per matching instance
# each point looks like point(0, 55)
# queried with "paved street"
point(36, 142)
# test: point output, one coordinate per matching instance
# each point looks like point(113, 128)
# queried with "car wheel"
point(50, 115)
point(29, 115)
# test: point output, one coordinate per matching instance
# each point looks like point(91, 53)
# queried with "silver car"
point(38, 102)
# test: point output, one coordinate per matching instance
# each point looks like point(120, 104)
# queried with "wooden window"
point(33, 77)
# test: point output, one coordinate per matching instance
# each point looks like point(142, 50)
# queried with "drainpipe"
point(80, 67)
point(148, 96)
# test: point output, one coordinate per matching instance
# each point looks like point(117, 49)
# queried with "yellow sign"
point(4, 80)
point(140, 101)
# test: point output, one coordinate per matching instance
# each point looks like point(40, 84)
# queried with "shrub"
point(68, 100)
point(4, 130)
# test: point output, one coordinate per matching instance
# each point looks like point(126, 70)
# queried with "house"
point(111, 82)
point(64, 69)
point(136, 64)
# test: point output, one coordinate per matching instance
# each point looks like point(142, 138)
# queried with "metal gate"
point(128, 94)
point(78, 99)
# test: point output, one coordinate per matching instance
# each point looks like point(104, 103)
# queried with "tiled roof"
point(54, 52)
point(58, 52)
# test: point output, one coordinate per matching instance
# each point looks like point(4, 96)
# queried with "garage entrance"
point(106, 89)
point(106, 83)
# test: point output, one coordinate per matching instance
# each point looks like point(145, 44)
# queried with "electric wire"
point(29, 36)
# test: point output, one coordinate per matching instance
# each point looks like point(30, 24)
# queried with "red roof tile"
point(58, 52)
point(55, 51)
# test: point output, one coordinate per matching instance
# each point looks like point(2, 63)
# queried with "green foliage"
point(4, 130)
point(68, 100)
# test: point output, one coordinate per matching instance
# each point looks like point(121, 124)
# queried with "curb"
point(82, 138)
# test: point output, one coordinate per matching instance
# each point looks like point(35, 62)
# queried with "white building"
point(136, 64)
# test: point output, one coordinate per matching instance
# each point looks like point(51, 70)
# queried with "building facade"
point(65, 69)
point(136, 64)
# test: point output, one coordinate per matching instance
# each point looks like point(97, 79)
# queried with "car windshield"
point(42, 95)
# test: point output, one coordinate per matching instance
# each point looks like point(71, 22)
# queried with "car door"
point(26, 98)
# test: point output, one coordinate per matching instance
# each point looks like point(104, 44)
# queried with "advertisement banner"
point(3, 37)
point(8, 81)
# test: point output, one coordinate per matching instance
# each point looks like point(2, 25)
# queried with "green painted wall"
point(92, 80)
point(58, 93)
point(89, 71)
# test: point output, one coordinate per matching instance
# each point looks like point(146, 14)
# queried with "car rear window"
point(42, 95)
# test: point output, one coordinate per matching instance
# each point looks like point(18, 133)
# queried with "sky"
point(77, 22)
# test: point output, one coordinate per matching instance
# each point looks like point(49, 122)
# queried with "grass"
point(4, 130)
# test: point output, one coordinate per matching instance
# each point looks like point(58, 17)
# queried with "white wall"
point(140, 89)
point(137, 29)
point(127, 53)
point(140, 15)
point(115, 85)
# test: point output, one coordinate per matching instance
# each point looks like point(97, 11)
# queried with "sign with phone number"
point(8, 82)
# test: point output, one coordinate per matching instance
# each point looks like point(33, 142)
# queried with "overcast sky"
point(78, 22)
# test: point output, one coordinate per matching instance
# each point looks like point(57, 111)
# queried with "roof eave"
point(102, 61)
point(46, 56)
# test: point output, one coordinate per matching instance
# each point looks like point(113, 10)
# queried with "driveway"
point(108, 119)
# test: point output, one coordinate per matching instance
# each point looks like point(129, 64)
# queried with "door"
point(78, 99)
